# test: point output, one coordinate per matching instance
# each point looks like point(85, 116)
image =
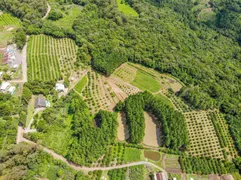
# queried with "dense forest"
point(25, 161)
point(172, 122)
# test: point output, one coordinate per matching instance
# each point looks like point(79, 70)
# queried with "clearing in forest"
point(152, 131)
point(72, 12)
point(81, 84)
point(49, 58)
point(98, 94)
point(208, 135)
point(124, 7)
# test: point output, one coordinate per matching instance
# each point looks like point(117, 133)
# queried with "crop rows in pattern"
point(7, 19)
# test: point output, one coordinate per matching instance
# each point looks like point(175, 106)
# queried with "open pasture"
point(49, 58)
point(203, 138)
point(98, 94)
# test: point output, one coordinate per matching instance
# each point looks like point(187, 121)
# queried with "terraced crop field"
point(98, 94)
point(208, 134)
point(49, 58)
point(7, 20)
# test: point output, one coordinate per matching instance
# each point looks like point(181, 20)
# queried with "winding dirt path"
point(77, 167)
point(48, 10)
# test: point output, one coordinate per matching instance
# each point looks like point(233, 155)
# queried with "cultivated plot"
point(49, 58)
point(203, 138)
point(98, 94)
point(8, 20)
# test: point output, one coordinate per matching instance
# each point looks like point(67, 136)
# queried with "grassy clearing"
point(207, 15)
point(145, 81)
point(72, 12)
point(81, 84)
point(126, 8)
point(136, 172)
point(132, 155)
point(30, 110)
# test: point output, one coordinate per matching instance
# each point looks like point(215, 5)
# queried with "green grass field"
point(81, 84)
point(126, 8)
point(145, 81)
point(73, 11)
point(132, 155)
point(164, 99)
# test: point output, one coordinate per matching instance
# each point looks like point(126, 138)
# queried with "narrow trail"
point(48, 10)
point(77, 167)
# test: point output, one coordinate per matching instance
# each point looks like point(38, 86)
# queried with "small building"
point(59, 87)
point(40, 103)
point(11, 89)
point(161, 176)
point(4, 86)
point(9, 56)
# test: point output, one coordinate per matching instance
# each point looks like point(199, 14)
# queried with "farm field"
point(124, 7)
point(98, 94)
point(171, 163)
point(152, 132)
point(8, 20)
point(202, 135)
point(49, 58)
point(137, 77)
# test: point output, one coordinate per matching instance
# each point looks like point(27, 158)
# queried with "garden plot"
point(152, 131)
point(98, 94)
point(47, 56)
point(203, 138)
point(171, 163)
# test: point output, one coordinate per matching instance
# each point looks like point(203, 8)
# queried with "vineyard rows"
point(7, 19)
point(49, 58)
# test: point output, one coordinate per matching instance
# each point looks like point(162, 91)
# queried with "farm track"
point(48, 10)
point(77, 167)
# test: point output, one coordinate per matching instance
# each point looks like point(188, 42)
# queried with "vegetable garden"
point(49, 58)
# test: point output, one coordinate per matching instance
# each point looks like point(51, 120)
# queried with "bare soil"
point(152, 131)
point(122, 131)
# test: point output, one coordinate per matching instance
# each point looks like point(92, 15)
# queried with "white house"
point(59, 87)
point(4, 86)
point(11, 89)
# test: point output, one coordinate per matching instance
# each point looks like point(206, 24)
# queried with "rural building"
point(40, 103)
point(11, 89)
point(161, 176)
point(59, 87)
point(9, 56)
point(4, 86)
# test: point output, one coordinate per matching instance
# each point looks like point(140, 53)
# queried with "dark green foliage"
point(174, 129)
point(117, 174)
point(27, 10)
point(196, 165)
point(135, 118)
point(39, 87)
point(9, 105)
point(90, 142)
point(20, 38)
point(29, 162)
point(26, 95)
point(55, 15)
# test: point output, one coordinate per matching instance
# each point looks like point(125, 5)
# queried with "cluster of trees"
point(40, 87)
point(29, 162)
point(117, 174)
point(174, 129)
point(29, 11)
point(197, 165)
point(90, 142)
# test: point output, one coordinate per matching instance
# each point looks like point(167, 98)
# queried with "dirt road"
point(77, 167)
point(48, 10)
